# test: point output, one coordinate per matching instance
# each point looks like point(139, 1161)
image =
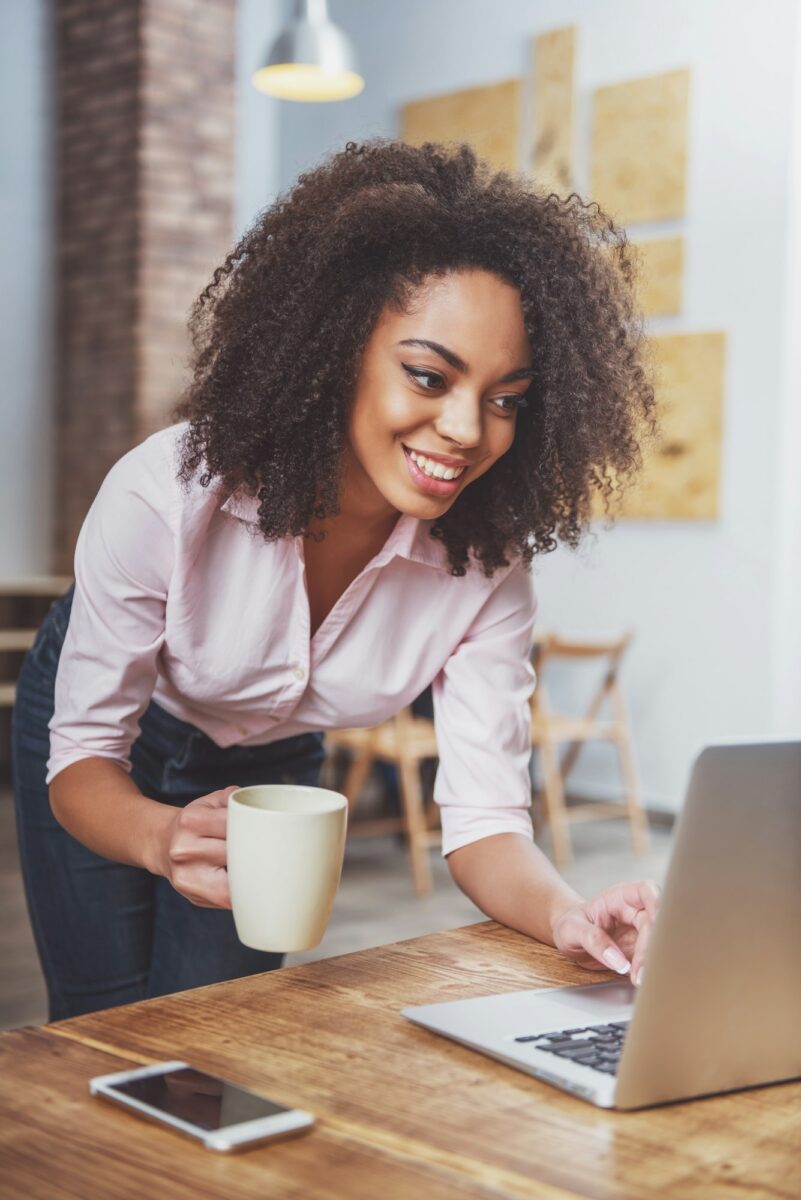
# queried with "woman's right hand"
point(193, 850)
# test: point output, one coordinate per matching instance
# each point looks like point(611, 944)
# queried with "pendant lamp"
point(311, 59)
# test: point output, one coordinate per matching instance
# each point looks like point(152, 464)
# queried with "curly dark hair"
point(279, 331)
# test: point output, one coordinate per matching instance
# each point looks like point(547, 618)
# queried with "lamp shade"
point(312, 59)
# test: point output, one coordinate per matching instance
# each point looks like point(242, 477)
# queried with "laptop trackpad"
point(598, 1002)
point(552, 1009)
point(488, 1019)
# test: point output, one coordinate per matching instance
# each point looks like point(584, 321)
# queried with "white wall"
point(26, 268)
point(785, 623)
point(258, 157)
point(714, 604)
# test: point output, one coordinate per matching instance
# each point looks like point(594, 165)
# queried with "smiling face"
point(437, 395)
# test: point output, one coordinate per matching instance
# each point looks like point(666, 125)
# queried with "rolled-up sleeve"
point(481, 713)
point(123, 561)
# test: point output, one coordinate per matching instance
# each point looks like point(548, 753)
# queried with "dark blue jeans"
point(108, 933)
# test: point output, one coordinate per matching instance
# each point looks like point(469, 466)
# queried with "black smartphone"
point(222, 1115)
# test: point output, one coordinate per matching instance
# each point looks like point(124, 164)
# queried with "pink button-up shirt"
point(179, 598)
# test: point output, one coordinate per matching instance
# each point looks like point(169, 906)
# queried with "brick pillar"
point(145, 177)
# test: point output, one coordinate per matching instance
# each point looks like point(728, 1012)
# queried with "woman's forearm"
point(512, 881)
point(99, 804)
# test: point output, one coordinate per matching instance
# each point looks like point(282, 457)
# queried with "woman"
point(409, 376)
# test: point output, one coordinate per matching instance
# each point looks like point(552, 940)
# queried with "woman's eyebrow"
point(459, 364)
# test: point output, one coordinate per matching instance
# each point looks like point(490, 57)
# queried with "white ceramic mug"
point(285, 849)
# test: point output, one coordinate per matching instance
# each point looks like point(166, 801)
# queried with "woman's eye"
point(510, 404)
point(432, 381)
point(429, 380)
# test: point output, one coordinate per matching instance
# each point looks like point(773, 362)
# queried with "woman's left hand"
point(610, 932)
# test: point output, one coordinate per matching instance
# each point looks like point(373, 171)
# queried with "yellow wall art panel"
point(553, 117)
point(488, 118)
point(639, 148)
point(681, 473)
point(660, 279)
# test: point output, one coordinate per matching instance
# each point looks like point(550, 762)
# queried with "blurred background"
point(136, 147)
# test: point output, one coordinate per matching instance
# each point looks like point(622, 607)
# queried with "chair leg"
point(414, 819)
point(355, 779)
point(537, 815)
point(336, 764)
point(637, 818)
point(537, 799)
point(574, 749)
point(628, 770)
point(555, 801)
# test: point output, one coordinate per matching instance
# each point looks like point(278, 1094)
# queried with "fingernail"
point(616, 960)
point(637, 979)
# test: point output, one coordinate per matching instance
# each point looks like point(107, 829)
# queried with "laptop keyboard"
point(596, 1046)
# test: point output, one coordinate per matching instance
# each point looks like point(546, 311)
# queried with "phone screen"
point(200, 1099)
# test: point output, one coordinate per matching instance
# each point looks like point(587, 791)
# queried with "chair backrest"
point(550, 647)
point(51, 586)
point(22, 604)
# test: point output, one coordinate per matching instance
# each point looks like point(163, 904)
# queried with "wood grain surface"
point(488, 118)
point(58, 1142)
point(660, 286)
point(328, 1036)
point(554, 104)
point(639, 147)
point(681, 473)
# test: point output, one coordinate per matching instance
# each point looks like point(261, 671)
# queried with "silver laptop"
point(719, 1007)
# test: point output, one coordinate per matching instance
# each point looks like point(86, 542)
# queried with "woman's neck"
point(365, 517)
point(352, 538)
point(351, 528)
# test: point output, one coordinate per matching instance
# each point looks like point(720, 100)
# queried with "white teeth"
point(433, 469)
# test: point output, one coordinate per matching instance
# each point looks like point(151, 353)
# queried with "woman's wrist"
point(563, 900)
point(156, 837)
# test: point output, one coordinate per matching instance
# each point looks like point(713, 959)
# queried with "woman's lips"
point(434, 487)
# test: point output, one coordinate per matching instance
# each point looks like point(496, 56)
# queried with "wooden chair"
point(550, 729)
point(15, 639)
point(405, 741)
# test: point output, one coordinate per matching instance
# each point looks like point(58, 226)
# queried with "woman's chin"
point(411, 500)
point(427, 508)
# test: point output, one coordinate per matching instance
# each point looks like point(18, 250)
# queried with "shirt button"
point(298, 671)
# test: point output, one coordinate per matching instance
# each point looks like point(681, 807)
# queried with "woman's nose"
point(459, 420)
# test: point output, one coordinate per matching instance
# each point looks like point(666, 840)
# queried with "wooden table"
point(401, 1112)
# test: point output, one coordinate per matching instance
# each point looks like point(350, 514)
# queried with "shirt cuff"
point(462, 825)
point(67, 757)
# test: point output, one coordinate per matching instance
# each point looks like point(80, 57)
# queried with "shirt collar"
point(409, 539)
point(243, 505)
